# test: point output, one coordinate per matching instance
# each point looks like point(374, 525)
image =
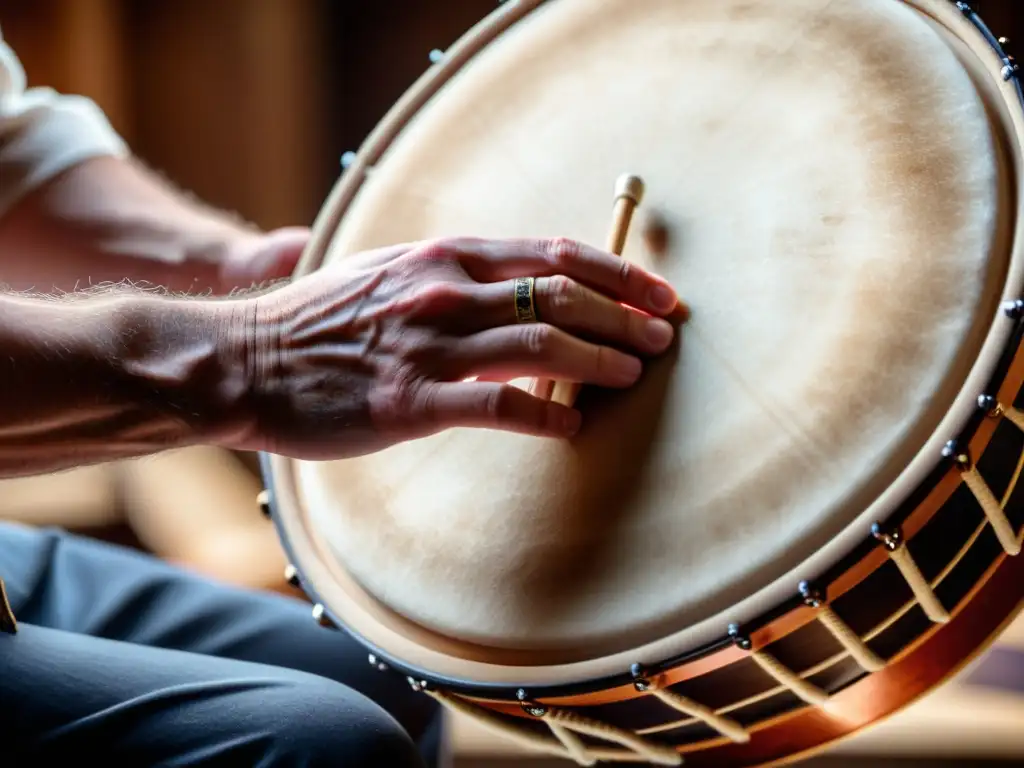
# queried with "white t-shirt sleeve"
point(43, 133)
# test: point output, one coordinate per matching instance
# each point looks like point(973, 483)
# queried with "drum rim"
point(778, 594)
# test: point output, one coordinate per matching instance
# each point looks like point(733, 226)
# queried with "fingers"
point(257, 260)
point(495, 406)
point(491, 261)
point(542, 388)
point(539, 351)
point(569, 305)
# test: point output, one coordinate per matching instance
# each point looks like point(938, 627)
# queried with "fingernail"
point(571, 422)
point(658, 333)
point(564, 421)
point(663, 298)
point(627, 369)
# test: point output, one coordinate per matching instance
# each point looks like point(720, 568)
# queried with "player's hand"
point(405, 341)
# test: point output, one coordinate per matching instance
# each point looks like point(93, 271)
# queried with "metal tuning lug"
point(376, 663)
point(1010, 68)
point(961, 458)
point(813, 596)
point(891, 538)
point(989, 406)
point(291, 575)
point(641, 681)
point(1014, 309)
point(263, 500)
point(739, 638)
point(530, 707)
point(320, 617)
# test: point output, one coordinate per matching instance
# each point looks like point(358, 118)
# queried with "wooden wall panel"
point(224, 96)
point(75, 47)
point(227, 99)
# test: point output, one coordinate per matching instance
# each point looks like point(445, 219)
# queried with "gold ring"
point(526, 309)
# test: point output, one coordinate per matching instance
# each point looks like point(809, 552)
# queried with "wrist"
point(190, 361)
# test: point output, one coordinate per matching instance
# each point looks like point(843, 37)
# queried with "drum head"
point(837, 212)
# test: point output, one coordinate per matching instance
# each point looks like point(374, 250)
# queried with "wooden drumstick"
point(629, 193)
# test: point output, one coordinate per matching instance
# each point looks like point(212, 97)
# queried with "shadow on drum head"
point(607, 477)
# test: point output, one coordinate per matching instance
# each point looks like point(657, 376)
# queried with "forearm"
point(113, 376)
point(108, 220)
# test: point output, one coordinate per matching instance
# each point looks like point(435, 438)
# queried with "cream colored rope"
point(564, 726)
point(499, 726)
point(990, 505)
point(923, 592)
point(782, 674)
point(993, 510)
point(849, 639)
point(573, 744)
point(786, 677)
point(530, 739)
point(871, 635)
point(725, 726)
point(655, 753)
point(840, 630)
point(1013, 415)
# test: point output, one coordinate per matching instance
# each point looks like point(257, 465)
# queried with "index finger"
point(495, 260)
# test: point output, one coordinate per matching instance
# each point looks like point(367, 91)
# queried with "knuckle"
point(437, 297)
point(625, 271)
point(538, 340)
point(404, 391)
point(493, 404)
point(431, 254)
point(499, 405)
point(447, 250)
point(603, 360)
point(432, 250)
point(424, 358)
point(397, 401)
point(425, 405)
point(562, 251)
point(564, 292)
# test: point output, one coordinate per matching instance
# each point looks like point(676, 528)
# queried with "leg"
point(64, 582)
point(66, 698)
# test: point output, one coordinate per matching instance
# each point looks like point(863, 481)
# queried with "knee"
point(317, 723)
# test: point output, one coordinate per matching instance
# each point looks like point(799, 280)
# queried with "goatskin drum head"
point(831, 187)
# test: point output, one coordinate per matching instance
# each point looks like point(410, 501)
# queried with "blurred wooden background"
point(250, 104)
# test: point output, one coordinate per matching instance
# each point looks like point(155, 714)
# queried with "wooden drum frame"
point(926, 591)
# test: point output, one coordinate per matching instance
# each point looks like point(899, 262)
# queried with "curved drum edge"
point(822, 714)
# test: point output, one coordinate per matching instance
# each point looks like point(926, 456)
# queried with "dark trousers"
point(122, 658)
